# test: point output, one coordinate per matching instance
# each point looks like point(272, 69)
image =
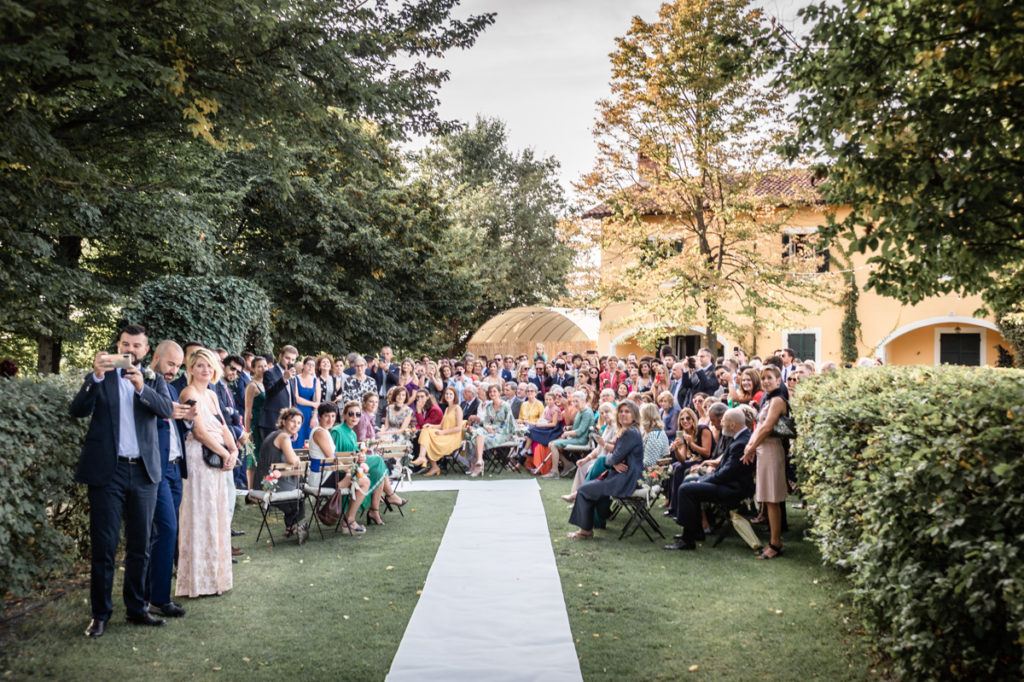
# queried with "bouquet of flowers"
point(271, 481)
point(655, 475)
point(359, 470)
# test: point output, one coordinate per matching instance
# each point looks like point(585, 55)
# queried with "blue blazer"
point(102, 401)
point(163, 430)
point(629, 448)
point(277, 397)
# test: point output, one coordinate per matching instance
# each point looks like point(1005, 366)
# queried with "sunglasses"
point(792, 380)
point(353, 414)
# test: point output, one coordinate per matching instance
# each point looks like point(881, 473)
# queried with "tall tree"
point(686, 176)
point(353, 255)
point(506, 206)
point(115, 115)
point(914, 111)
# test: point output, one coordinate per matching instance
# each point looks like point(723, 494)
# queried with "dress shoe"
point(236, 533)
point(95, 628)
point(168, 610)
point(144, 618)
point(682, 544)
point(236, 552)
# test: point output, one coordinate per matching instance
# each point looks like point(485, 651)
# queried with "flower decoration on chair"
point(359, 470)
point(655, 475)
point(271, 481)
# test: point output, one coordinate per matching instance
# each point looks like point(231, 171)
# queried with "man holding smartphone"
point(120, 462)
point(275, 381)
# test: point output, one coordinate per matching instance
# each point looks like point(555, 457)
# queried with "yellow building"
point(941, 329)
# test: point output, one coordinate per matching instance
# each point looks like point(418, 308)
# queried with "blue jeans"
point(164, 537)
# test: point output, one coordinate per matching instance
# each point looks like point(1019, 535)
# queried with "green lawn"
point(337, 609)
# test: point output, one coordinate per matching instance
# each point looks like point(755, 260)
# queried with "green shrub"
point(43, 514)
point(914, 478)
point(1011, 324)
point(217, 311)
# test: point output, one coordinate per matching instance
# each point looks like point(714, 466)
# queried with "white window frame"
point(939, 331)
point(807, 330)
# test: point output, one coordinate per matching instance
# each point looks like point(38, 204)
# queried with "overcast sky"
point(542, 66)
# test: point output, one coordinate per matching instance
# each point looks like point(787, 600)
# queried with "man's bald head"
point(733, 421)
point(167, 358)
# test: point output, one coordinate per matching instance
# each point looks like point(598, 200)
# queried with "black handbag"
point(212, 458)
point(785, 427)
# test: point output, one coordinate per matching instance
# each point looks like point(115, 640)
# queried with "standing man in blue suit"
point(167, 358)
point(276, 381)
point(120, 462)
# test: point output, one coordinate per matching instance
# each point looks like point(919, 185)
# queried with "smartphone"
point(190, 403)
point(291, 365)
point(123, 361)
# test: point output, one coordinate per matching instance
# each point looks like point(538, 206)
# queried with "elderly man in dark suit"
point(120, 462)
point(730, 482)
point(167, 358)
point(275, 381)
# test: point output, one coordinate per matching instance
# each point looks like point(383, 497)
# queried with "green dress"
point(254, 431)
point(345, 441)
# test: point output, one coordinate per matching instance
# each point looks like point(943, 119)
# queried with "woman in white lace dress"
point(204, 524)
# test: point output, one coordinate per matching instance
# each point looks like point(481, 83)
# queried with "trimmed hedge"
point(914, 478)
point(218, 311)
point(44, 522)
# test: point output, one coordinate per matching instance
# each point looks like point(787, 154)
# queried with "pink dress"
point(204, 522)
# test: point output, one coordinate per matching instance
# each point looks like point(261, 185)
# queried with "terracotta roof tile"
point(788, 187)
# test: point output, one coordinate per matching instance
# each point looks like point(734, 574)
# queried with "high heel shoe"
point(351, 528)
point(371, 520)
point(478, 470)
point(401, 502)
point(435, 472)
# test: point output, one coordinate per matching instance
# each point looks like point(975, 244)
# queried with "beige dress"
point(771, 465)
point(204, 522)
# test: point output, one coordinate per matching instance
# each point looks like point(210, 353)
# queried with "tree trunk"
point(50, 347)
point(710, 335)
point(48, 353)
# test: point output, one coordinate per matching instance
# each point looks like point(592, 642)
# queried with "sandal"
point(478, 470)
point(435, 472)
point(401, 501)
point(351, 528)
point(581, 535)
point(777, 552)
point(374, 521)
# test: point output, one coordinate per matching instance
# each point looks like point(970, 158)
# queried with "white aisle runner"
point(492, 607)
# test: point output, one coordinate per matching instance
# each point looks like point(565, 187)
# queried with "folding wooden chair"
point(319, 494)
point(497, 457)
point(269, 498)
point(401, 454)
point(638, 503)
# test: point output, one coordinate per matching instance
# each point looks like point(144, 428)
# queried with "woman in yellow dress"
point(441, 440)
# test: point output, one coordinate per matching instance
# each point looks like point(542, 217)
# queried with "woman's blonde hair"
point(211, 359)
point(687, 412)
point(650, 420)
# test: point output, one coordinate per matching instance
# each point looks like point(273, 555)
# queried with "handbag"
point(331, 512)
point(210, 457)
point(213, 459)
point(785, 427)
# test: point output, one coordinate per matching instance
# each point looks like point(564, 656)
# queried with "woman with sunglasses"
point(345, 440)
